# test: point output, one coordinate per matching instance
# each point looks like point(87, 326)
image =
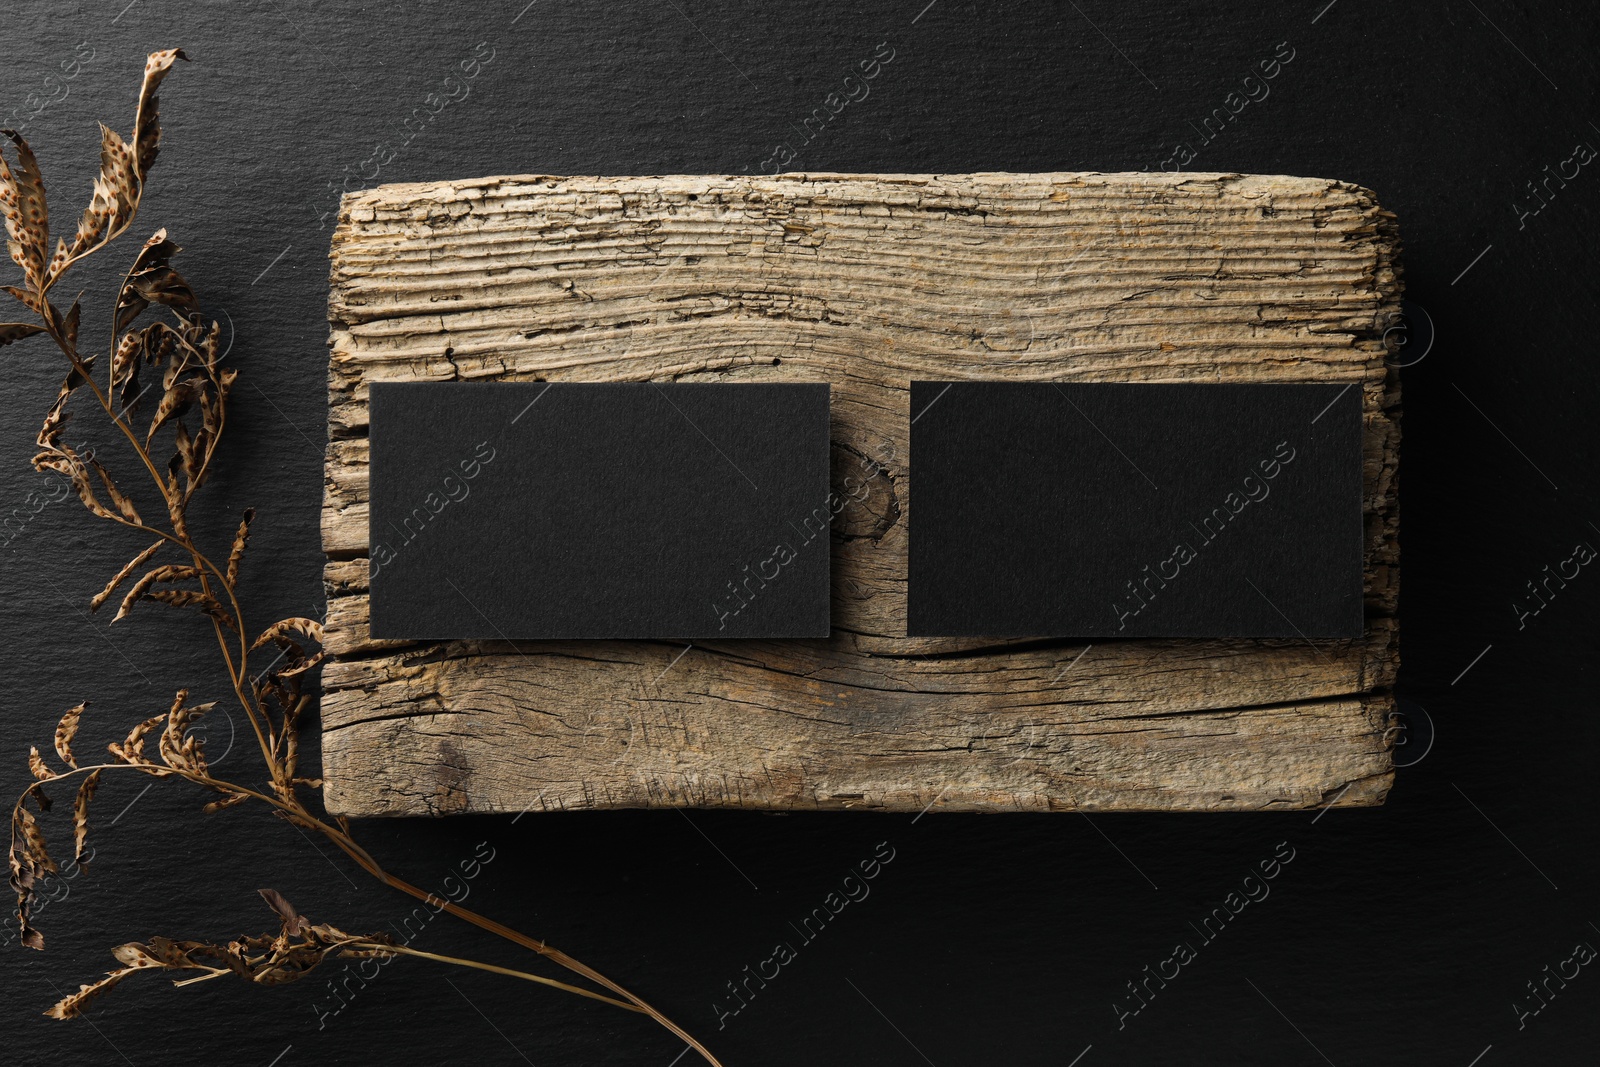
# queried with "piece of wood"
point(866, 282)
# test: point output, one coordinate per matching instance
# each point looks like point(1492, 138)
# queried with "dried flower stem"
point(403, 950)
point(188, 347)
point(379, 949)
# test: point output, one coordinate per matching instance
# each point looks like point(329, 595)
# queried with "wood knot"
point(870, 507)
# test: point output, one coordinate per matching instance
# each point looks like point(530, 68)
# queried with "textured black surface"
point(1077, 510)
point(599, 510)
point(1398, 936)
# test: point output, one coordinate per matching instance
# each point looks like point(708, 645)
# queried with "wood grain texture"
point(866, 282)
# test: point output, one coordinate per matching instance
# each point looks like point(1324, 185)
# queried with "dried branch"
point(299, 947)
point(180, 353)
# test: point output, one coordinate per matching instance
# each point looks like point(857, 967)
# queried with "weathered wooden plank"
point(865, 282)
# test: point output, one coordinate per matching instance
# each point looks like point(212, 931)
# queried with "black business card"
point(1118, 510)
point(606, 510)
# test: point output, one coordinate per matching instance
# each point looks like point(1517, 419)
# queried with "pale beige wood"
point(866, 282)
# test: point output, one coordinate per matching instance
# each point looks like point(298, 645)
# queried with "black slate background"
point(1396, 936)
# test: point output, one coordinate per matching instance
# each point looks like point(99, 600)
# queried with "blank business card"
point(1109, 510)
point(606, 510)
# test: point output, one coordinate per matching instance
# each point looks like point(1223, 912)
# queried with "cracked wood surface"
point(866, 282)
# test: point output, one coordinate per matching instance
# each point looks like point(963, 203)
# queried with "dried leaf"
point(80, 481)
point(41, 772)
point(80, 818)
point(153, 255)
point(213, 406)
point(22, 881)
point(210, 414)
point(121, 576)
point(33, 839)
point(56, 418)
point(186, 454)
point(210, 343)
point(280, 630)
point(174, 404)
point(194, 744)
point(125, 360)
point(160, 341)
point(146, 128)
point(27, 215)
point(16, 331)
point(302, 665)
point(12, 209)
point(185, 598)
point(132, 748)
point(131, 395)
point(115, 196)
point(134, 954)
point(37, 765)
point(66, 730)
point(174, 498)
point(71, 1006)
point(177, 721)
point(240, 539)
point(141, 588)
point(226, 802)
point(162, 284)
point(124, 505)
point(69, 325)
point(179, 752)
point(155, 252)
point(293, 921)
point(291, 743)
point(298, 661)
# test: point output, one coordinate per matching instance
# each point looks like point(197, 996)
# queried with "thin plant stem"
point(405, 950)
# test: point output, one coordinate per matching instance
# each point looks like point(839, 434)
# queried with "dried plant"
point(180, 354)
point(266, 959)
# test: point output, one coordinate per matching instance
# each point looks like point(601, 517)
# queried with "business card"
point(527, 510)
point(1135, 510)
